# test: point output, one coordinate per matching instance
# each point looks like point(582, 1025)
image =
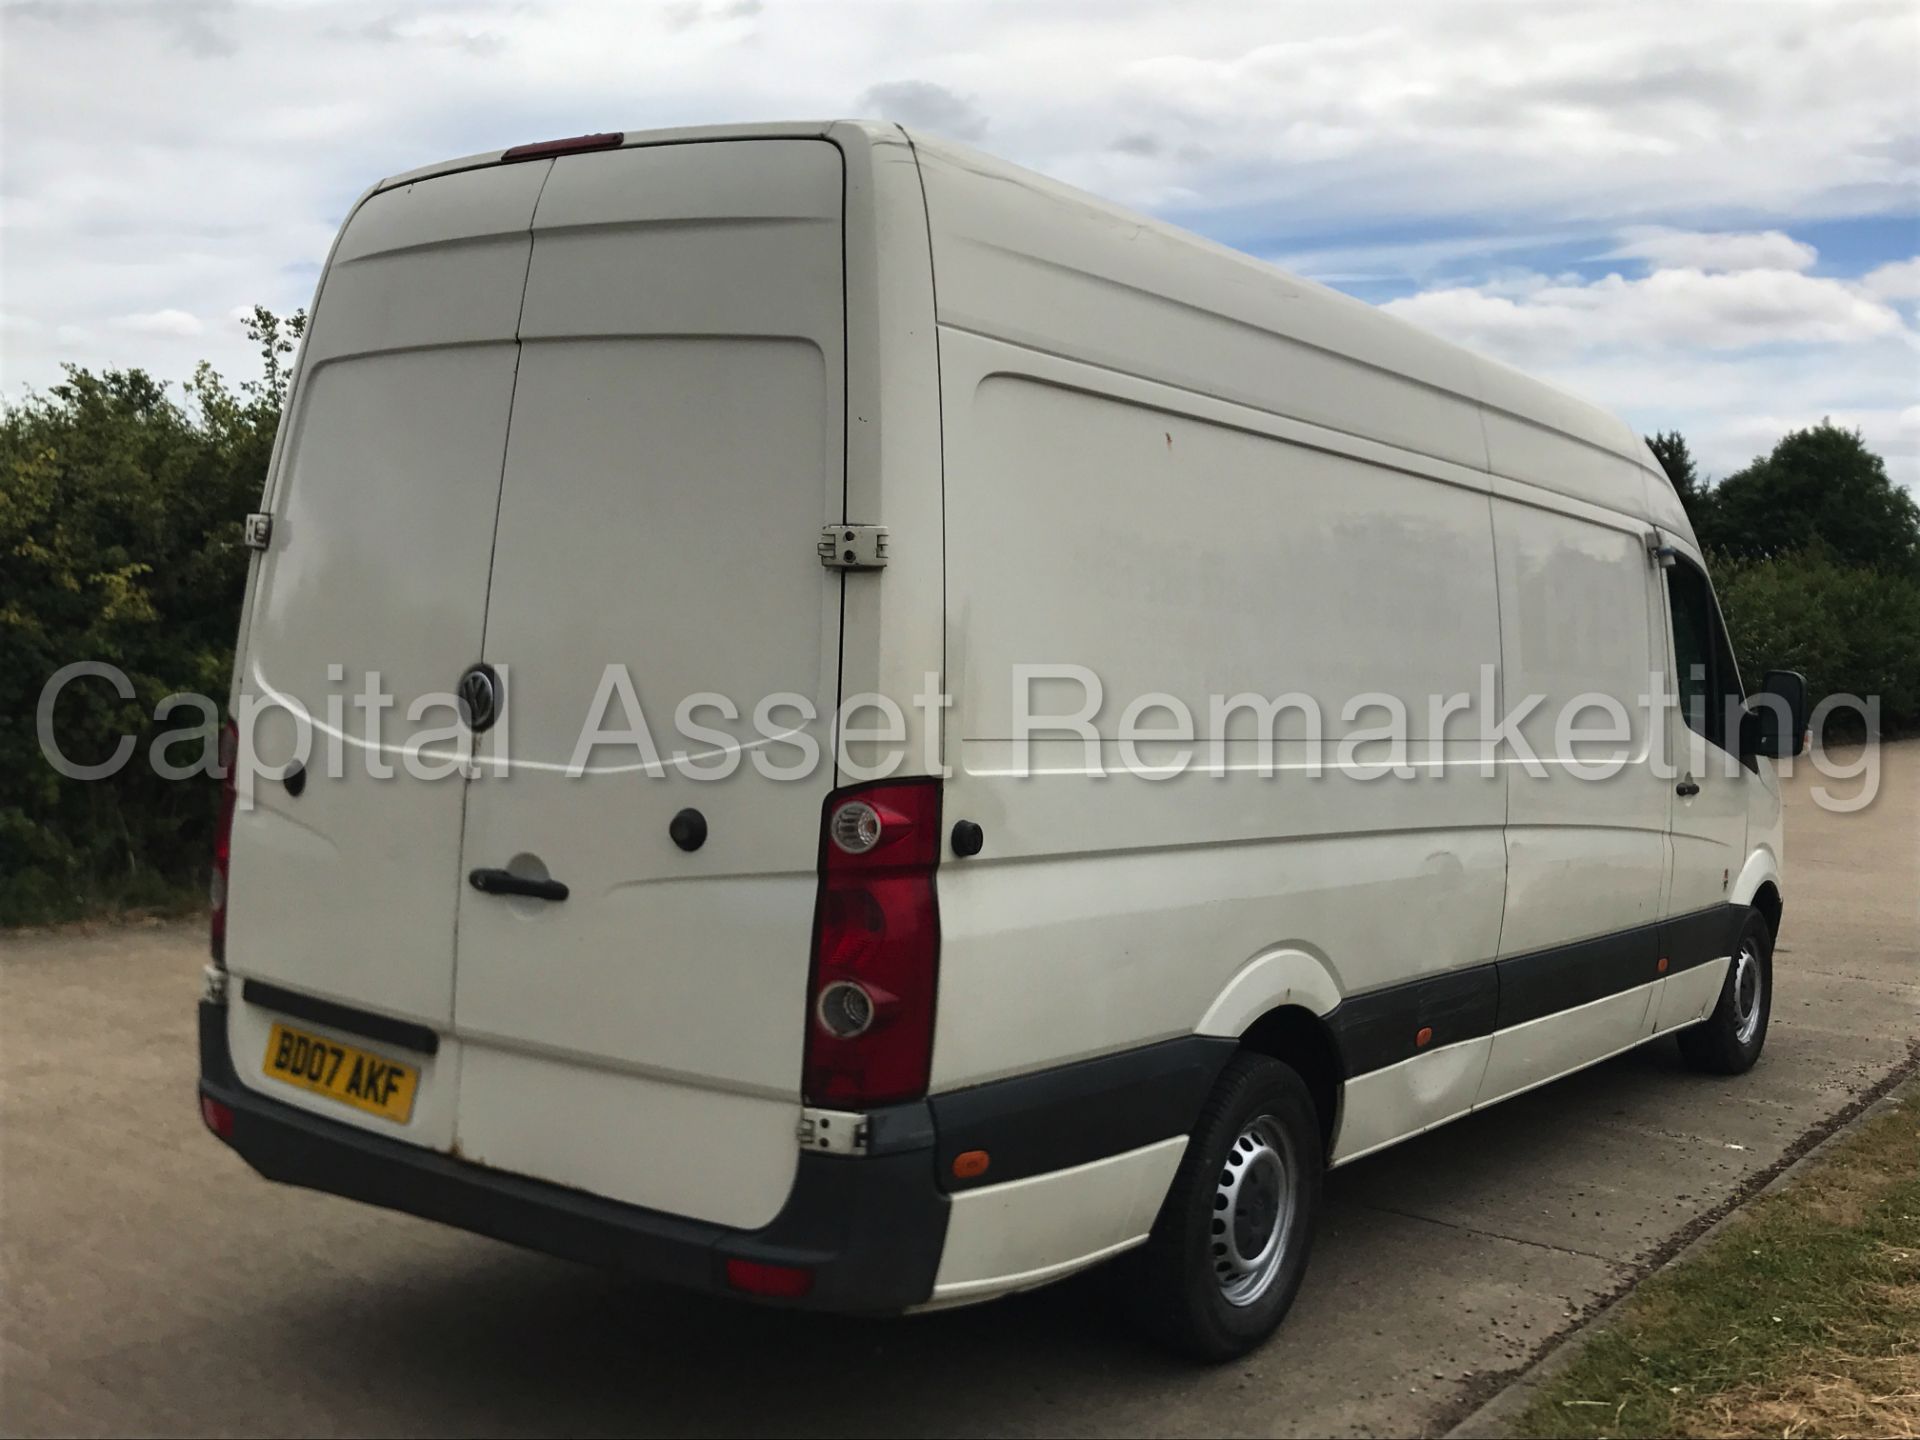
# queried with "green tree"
point(1670, 449)
point(276, 336)
point(1822, 486)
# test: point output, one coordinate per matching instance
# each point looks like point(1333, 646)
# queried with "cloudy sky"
point(1703, 215)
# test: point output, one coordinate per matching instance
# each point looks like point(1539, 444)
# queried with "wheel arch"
point(1762, 868)
point(1759, 886)
point(1276, 1005)
point(1767, 901)
point(1295, 1036)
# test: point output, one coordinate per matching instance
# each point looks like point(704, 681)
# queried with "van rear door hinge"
point(853, 547)
point(258, 531)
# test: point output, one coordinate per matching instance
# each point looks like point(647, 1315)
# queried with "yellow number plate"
point(345, 1073)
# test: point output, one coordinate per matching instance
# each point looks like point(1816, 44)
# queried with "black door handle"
point(505, 882)
point(1686, 787)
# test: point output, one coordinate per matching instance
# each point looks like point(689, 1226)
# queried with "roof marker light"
point(573, 144)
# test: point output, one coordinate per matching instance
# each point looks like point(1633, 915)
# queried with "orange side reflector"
point(970, 1164)
point(1663, 964)
point(1426, 1034)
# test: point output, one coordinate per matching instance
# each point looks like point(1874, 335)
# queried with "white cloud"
point(1734, 361)
point(1566, 109)
point(924, 105)
point(1711, 250)
point(1897, 281)
point(188, 159)
point(1398, 259)
point(1682, 307)
point(162, 322)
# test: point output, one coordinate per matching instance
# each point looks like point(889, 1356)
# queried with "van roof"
point(1213, 278)
point(675, 135)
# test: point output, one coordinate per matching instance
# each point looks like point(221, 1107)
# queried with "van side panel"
point(1151, 448)
point(1171, 543)
point(1587, 837)
point(1537, 1051)
point(1586, 849)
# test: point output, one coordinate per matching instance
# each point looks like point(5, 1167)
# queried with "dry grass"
point(1835, 1394)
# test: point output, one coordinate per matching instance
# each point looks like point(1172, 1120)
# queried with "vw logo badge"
point(479, 697)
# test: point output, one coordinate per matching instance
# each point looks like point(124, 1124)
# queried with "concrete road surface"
point(152, 1283)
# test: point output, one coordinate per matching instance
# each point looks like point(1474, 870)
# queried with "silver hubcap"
point(1747, 986)
point(1253, 1211)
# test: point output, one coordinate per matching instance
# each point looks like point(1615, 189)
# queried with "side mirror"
point(1775, 722)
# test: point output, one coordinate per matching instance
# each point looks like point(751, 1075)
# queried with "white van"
point(623, 472)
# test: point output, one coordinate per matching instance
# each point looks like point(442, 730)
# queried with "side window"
point(1708, 683)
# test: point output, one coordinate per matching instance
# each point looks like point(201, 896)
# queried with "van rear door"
point(383, 508)
point(676, 445)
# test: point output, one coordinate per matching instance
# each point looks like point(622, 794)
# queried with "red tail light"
point(781, 1282)
point(223, 841)
point(876, 946)
point(217, 1117)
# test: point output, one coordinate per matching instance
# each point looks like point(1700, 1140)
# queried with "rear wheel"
point(1729, 1040)
point(1229, 1249)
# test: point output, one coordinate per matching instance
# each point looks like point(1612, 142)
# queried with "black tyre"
point(1229, 1249)
point(1729, 1040)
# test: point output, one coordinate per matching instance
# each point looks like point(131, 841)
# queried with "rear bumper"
point(870, 1229)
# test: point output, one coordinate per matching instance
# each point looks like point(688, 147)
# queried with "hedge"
point(1850, 629)
point(120, 511)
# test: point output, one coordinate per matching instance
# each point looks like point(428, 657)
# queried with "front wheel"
point(1229, 1249)
point(1729, 1040)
